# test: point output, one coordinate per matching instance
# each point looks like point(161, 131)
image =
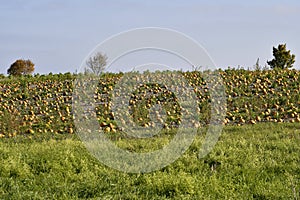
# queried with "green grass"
point(254, 161)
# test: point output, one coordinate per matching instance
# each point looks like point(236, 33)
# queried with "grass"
point(259, 161)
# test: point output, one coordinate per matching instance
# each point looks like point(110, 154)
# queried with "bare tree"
point(96, 64)
point(257, 66)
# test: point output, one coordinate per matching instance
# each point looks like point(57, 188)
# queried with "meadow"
point(249, 162)
point(256, 156)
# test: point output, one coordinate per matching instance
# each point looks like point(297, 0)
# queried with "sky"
point(57, 35)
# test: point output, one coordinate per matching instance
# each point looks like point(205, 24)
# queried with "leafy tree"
point(21, 67)
point(282, 58)
point(96, 64)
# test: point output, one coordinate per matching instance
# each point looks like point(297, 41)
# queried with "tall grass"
point(252, 161)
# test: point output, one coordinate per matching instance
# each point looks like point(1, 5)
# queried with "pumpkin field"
point(41, 104)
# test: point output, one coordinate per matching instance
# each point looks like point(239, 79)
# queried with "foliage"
point(282, 58)
point(96, 64)
point(21, 67)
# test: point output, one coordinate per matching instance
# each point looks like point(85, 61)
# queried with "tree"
point(282, 58)
point(96, 64)
point(21, 67)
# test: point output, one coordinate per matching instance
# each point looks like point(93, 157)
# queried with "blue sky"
point(58, 34)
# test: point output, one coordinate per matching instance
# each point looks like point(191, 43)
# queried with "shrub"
point(21, 67)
